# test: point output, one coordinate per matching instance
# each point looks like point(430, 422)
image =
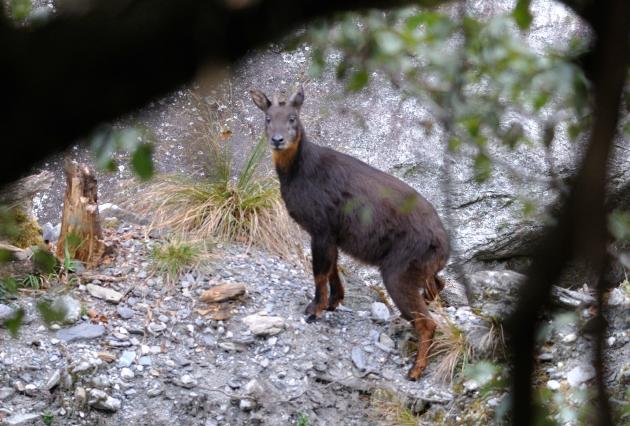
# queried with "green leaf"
point(574, 131)
point(141, 161)
point(358, 80)
point(541, 100)
point(9, 285)
point(522, 15)
point(389, 42)
point(482, 167)
point(44, 261)
point(318, 63)
point(20, 9)
point(13, 324)
point(342, 69)
point(483, 372)
point(454, 143)
point(51, 314)
point(5, 255)
point(619, 225)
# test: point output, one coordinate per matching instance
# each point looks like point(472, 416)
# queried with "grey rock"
point(264, 325)
point(156, 328)
point(380, 312)
point(53, 380)
point(385, 342)
point(145, 361)
point(82, 331)
point(247, 404)
point(358, 358)
point(124, 312)
point(70, 306)
point(80, 396)
point(580, 374)
point(107, 294)
point(21, 419)
point(154, 391)
point(102, 401)
point(51, 233)
point(126, 359)
point(618, 298)
point(6, 393)
point(6, 312)
point(127, 374)
point(186, 381)
point(553, 385)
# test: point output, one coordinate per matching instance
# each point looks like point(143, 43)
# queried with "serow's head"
point(282, 119)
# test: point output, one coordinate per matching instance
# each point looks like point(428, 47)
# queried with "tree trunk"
point(81, 230)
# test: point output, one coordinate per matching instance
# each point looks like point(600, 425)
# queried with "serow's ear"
point(297, 99)
point(260, 99)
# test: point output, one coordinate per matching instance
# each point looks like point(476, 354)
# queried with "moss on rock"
point(29, 233)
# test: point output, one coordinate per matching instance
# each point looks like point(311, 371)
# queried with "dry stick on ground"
point(581, 229)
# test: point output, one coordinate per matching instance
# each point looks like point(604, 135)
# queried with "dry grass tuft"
point(450, 345)
point(246, 208)
point(390, 408)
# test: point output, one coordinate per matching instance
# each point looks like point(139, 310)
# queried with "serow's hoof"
point(333, 304)
point(415, 373)
point(311, 318)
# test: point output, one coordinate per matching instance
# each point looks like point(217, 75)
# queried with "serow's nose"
point(276, 140)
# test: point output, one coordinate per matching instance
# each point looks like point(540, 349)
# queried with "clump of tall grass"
point(239, 206)
point(450, 345)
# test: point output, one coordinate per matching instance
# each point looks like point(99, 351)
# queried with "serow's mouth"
point(278, 147)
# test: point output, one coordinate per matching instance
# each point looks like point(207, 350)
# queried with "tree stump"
point(81, 231)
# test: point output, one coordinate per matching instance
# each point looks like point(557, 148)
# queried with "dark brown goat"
point(344, 203)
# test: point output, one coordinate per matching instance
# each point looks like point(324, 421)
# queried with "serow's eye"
point(268, 119)
point(292, 120)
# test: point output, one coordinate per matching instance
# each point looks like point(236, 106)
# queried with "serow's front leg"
point(323, 256)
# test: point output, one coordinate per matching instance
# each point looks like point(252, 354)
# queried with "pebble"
point(186, 381)
point(385, 342)
point(83, 331)
point(126, 359)
point(569, 338)
point(102, 401)
point(144, 360)
point(553, 384)
point(53, 380)
point(580, 374)
point(127, 374)
point(263, 325)
point(21, 419)
point(6, 312)
point(107, 294)
point(70, 306)
point(380, 312)
point(124, 312)
point(358, 358)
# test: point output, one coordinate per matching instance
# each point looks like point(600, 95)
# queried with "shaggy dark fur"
point(344, 203)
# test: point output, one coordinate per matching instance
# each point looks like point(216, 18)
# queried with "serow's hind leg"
point(405, 293)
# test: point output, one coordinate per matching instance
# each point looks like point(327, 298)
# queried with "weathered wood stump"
point(81, 229)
